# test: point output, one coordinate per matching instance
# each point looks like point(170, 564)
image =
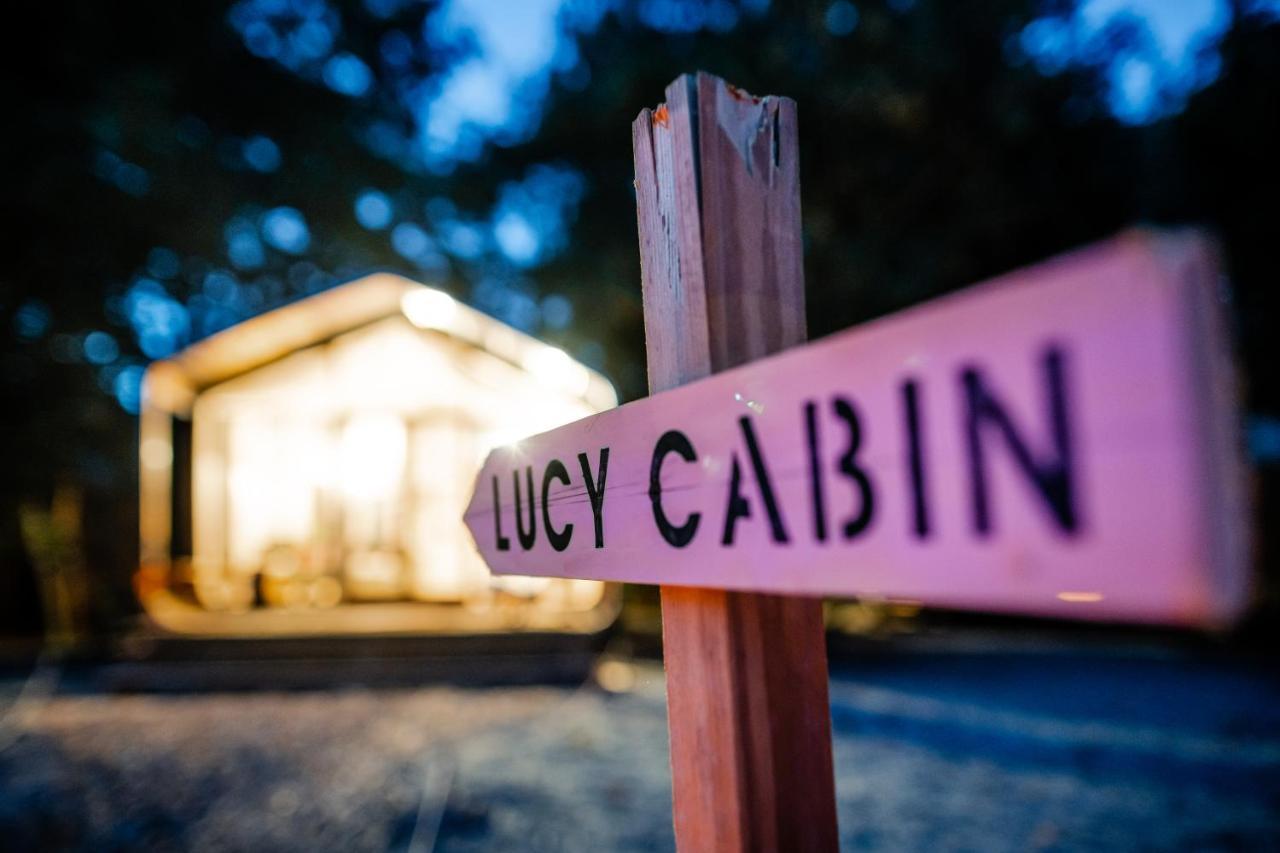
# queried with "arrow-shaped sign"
point(1060, 441)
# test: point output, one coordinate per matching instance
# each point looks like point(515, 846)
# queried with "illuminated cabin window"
point(338, 472)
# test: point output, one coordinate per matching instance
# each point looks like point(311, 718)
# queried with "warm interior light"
point(340, 472)
point(429, 309)
point(555, 367)
point(156, 453)
point(616, 676)
point(372, 455)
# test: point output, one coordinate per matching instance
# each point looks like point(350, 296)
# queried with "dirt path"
point(545, 768)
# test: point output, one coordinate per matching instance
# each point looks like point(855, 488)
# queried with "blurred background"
point(267, 262)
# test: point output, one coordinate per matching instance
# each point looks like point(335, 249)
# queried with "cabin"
point(306, 471)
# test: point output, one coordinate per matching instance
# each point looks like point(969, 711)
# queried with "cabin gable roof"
point(172, 384)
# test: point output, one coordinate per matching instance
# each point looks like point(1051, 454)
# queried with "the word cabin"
point(842, 489)
point(1043, 443)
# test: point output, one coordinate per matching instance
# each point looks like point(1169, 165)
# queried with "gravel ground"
point(545, 768)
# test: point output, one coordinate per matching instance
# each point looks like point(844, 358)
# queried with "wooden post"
point(718, 204)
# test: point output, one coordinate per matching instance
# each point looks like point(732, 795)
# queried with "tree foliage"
point(935, 151)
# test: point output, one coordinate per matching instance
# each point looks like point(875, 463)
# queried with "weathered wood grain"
point(1062, 441)
point(718, 208)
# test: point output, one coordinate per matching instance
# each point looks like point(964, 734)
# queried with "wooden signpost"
point(1060, 441)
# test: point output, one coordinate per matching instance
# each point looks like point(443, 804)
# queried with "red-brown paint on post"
point(718, 208)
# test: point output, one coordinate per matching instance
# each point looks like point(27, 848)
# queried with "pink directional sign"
point(1060, 441)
